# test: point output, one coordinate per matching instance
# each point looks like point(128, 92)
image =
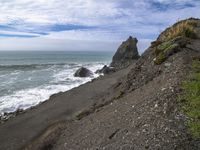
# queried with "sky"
point(76, 25)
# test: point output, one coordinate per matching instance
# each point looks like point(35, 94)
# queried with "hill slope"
point(141, 110)
point(147, 114)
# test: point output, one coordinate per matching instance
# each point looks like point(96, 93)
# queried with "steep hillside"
point(148, 108)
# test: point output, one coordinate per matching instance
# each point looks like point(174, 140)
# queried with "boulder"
point(83, 72)
point(126, 54)
point(106, 70)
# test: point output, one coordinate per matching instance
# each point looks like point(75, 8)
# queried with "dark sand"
point(20, 130)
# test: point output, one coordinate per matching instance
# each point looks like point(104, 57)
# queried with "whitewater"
point(29, 78)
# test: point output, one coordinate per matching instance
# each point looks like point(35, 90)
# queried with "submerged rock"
point(126, 54)
point(83, 72)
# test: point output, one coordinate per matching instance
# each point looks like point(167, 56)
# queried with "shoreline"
point(9, 115)
point(29, 124)
point(26, 83)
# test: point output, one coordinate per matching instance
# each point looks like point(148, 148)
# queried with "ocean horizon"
point(28, 78)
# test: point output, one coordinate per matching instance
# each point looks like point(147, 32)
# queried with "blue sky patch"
point(18, 35)
point(67, 27)
point(159, 6)
point(40, 30)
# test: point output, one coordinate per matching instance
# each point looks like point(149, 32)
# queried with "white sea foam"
point(30, 97)
point(63, 80)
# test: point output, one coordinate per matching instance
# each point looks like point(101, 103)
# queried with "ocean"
point(28, 78)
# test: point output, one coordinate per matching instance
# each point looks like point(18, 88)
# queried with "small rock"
point(163, 89)
point(106, 70)
point(167, 64)
point(156, 105)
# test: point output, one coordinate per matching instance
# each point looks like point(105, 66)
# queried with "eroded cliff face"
point(141, 110)
point(126, 54)
point(144, 112)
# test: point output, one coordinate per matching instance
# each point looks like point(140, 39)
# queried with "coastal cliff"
point(151, 102)
point(146, 108)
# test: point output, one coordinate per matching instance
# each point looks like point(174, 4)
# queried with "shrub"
point(193, 23)
point(174, 39)
point(160, 59)
point(167, 46)
point(164, 50)
point(189, 32)
point(184, 28)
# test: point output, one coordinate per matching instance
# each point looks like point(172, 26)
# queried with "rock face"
point(126, 54)
point(83, 72)
point(106, 70)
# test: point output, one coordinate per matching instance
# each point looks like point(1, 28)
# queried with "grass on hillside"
point(165, 49)
point(169, 45)
point(190, 100)
point(184, 28)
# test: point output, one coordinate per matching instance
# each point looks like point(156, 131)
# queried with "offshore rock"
point(83, 72)
point(126, 54)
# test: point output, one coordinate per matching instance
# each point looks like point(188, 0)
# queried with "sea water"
point(28, 78)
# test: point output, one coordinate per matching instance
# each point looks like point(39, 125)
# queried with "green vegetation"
point(167, 46)
point(163, 51)
point(174, 39)
point(184, 28)
point(190, 100)
point(193, 22)
point(160, 59)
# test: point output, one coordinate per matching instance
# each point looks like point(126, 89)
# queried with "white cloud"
point(57, 11)
point(115, 20)
point(46, 44)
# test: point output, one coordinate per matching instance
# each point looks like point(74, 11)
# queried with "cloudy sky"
point(87, 24)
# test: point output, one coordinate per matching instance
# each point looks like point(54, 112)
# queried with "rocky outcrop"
point(83, 72)
point(126, 54)
point(106, 70)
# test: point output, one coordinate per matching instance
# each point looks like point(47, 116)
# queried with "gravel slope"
point(146, 117)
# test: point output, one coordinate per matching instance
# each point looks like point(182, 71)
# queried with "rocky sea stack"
point(126, 54)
